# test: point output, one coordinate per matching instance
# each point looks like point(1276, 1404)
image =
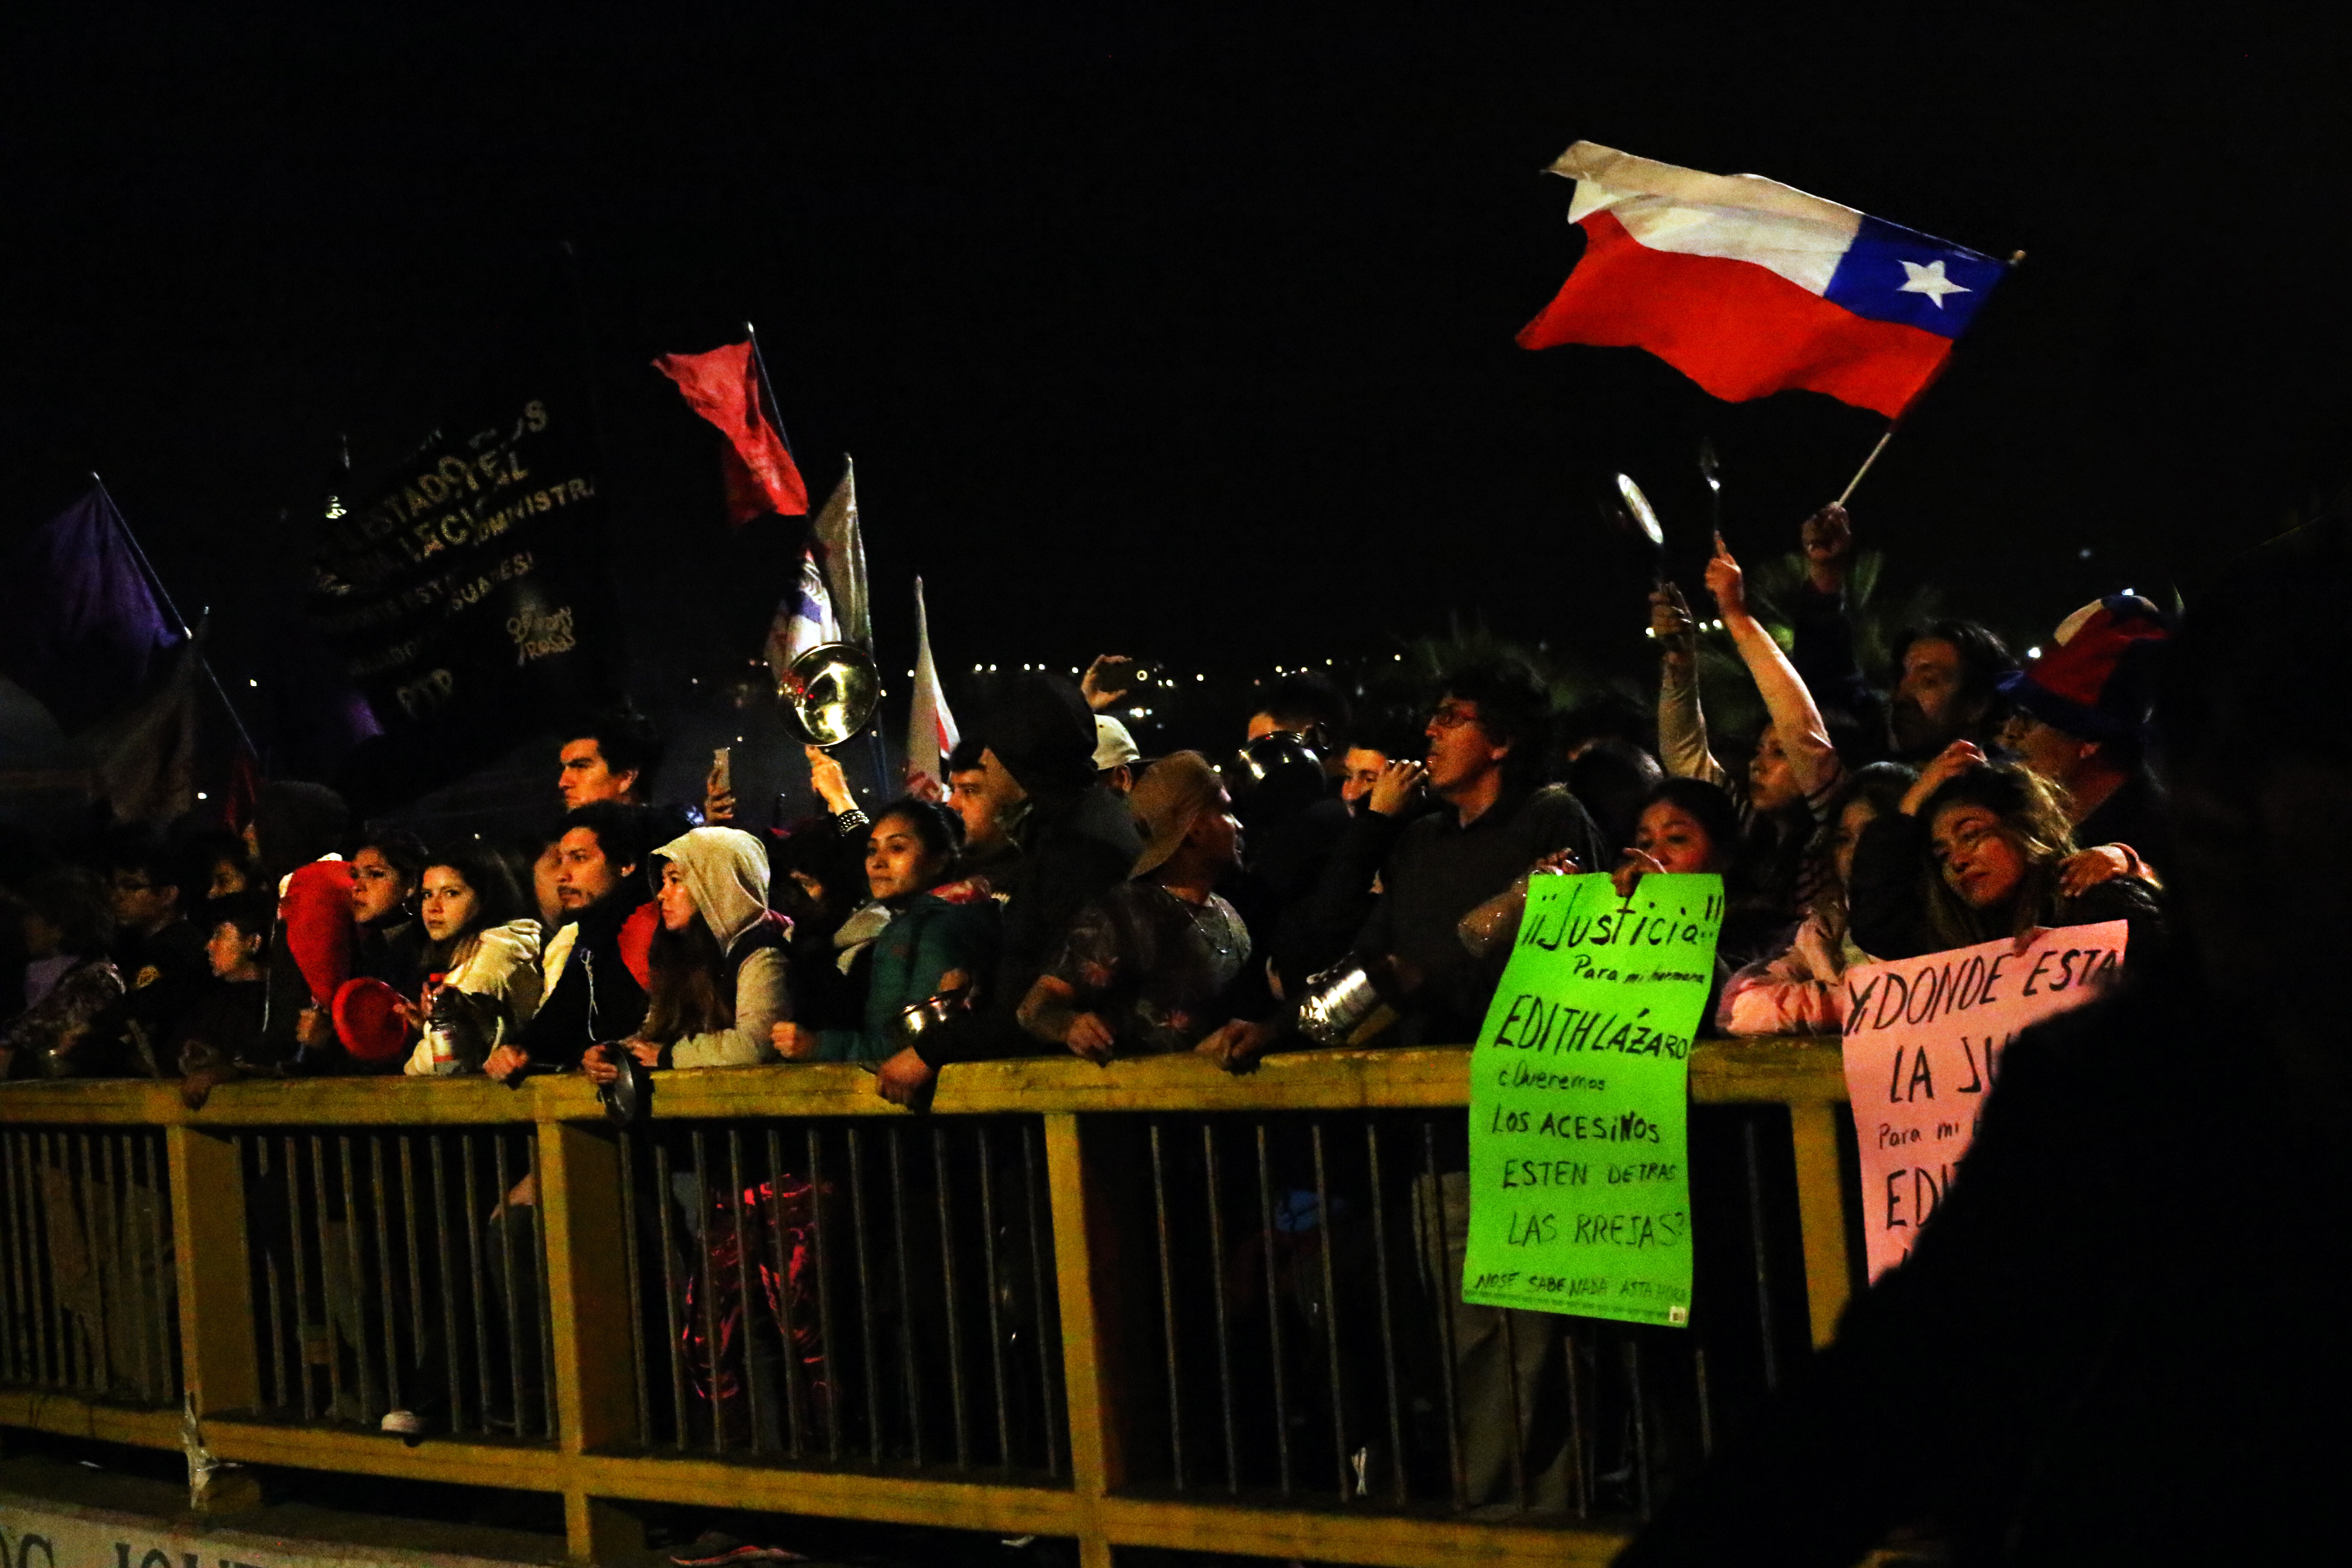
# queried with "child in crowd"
point(481, 960)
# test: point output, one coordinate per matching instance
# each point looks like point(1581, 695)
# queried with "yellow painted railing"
point(582, 1188)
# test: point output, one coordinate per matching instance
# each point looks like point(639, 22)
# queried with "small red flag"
point(723, 387)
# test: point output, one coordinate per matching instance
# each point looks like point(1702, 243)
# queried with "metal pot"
point(627, 1097)
point(1336, 1002)
point(920, 1018)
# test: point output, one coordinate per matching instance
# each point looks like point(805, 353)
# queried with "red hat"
point(2096, 681)
point(368, 1020)
point(319, 930)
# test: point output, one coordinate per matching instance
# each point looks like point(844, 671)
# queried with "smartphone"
point(722, 773)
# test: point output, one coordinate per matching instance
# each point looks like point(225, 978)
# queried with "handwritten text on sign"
point(1923, 1041)
point(1579, 1089)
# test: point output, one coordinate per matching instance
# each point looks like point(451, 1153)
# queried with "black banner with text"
point(467, 592)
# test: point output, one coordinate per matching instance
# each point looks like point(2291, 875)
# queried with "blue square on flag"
point(1895, 274)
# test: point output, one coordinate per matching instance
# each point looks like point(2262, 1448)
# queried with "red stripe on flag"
point(1738, 330)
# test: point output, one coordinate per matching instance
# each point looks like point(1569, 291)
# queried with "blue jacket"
point(926, 939)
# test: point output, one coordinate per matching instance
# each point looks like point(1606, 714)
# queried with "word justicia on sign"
point(539, 634)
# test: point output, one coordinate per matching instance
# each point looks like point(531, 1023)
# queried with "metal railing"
point(1151, 1305)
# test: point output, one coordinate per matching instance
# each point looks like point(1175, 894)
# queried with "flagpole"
point(768, 391)
point(155, 582)
point(2016, 257)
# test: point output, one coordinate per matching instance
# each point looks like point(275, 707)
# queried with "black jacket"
point(595, 999)
point(1075, 847)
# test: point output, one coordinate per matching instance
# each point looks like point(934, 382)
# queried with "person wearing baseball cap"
point(2081, 721)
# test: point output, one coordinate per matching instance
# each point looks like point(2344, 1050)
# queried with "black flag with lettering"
point(466, 590)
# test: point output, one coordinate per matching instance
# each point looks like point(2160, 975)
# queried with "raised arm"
point(1682, 725)
point(1795, 719)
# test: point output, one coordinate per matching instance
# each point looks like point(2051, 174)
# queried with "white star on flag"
point(1931, 280)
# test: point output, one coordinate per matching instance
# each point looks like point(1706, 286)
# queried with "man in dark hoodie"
point(1077, 842)
point(590, 997)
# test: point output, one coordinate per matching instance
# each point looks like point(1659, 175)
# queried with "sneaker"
point(407, 1423)
point(713, 1549)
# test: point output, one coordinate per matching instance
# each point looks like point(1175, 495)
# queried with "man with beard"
point(590, 997)
point(1950, 671)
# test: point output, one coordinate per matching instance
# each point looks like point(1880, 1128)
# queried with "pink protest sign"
point(1923, 1042)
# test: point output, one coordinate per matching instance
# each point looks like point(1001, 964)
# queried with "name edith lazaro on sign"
point(1580, 1175)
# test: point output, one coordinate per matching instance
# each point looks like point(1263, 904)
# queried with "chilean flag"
point(1750, 287)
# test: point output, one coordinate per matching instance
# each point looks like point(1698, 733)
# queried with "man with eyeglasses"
point(1487, 744)
point(158, 953)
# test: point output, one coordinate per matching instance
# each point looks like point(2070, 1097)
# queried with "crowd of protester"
point(1327, 881)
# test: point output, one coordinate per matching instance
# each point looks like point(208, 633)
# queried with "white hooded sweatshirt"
point(726, 873)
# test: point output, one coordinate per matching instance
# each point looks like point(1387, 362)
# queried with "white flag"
point(931, 728)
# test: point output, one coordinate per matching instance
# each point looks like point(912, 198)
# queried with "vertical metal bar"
point(700, 1238)
point(114, 1279)
point(1217, 1299)
point(1448, 1290)
point(1518, 1417)
point(299, 1262)
point(1274, 1314)
point(865, 1291)
point(281, 1397)
point(633, 1259)
point(1388, 1321)
point(673, 1292)
point(69, 1363)
point(788, 1345)
point(747, 1322)
point(159, 1225)
point(97, 1359)
point(384, 1269)
point(470, 1172)
point(1168, 1308)
point(11, 1289)
point(1760, 1251)
point(504, 1211)
point(1640, 1401)
point(417, 1314)
point(132, 1289)
point(1579, 1437)
point(897, 1145)
point(435, 1156)
point(48, 1311)
point(1706, 1403)
point(353, 1228)
point(949, 1292)
point(326, 1269)
point(542, 1310)
point(1330, 1240)
point(11, 1212)
point(995, 1318)
point(827, 1345)
point(1049, 1408)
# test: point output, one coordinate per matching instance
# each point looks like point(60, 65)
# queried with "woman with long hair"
point(941, 931)
point(718, 973)
point(481, 960)
point(1981, 850)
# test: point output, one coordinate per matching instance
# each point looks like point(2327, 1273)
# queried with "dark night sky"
point(1185, 331)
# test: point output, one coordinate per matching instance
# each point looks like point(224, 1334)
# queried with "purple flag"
point(80, 626)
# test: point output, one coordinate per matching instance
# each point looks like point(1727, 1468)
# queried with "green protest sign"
point(1579, 1089)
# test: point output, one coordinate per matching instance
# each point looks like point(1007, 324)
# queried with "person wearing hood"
point(719, 983)
point(1077, 841)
